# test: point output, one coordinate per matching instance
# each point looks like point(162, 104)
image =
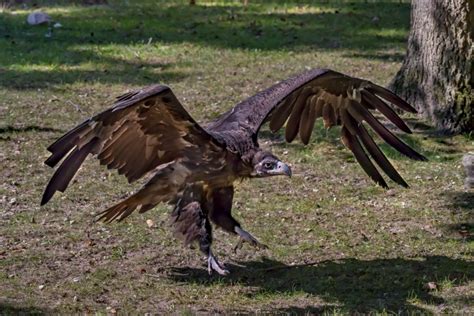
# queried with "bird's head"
point(265, 165)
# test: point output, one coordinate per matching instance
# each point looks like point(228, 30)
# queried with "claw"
point(247, 237)
point(239, 245)
point(214, 265)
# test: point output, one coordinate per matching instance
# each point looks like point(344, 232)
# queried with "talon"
point(239, 245)
point(247, 237)
point(214, 265)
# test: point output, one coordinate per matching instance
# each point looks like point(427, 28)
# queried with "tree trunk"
point(437, 73)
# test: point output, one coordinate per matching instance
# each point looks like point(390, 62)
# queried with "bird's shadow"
point(353, 284)
point(461, 204)
point(10, 129)
point(12, 309)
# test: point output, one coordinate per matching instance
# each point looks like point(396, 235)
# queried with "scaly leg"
point(205, 245)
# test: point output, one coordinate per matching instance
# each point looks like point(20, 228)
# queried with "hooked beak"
point(283, 169)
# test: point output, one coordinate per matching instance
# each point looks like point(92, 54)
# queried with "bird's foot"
point(214, 265)
point(247, 237)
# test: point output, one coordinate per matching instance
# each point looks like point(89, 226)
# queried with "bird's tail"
point(163, 187)
point(123, 209)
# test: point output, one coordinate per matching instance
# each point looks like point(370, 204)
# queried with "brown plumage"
point(194, 166)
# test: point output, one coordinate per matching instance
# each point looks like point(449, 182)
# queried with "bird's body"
point(195, 166)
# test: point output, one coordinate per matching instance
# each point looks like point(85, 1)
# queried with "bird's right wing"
point(143, 130)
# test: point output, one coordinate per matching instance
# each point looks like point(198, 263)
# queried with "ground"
point(337, 243)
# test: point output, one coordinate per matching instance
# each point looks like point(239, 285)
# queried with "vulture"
point(194, 166)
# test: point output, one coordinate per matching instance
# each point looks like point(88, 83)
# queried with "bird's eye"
point(268, 165)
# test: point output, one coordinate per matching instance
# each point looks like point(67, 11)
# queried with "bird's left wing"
point(143, 130)
point(337, 98)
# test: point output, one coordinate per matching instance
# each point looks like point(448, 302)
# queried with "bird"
point(194, 167)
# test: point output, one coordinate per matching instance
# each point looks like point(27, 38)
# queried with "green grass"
point(338, 244)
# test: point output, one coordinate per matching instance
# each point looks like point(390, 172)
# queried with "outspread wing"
point(337, 98)
point(144, 129)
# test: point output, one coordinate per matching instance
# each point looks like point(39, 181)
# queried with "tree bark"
point(437, 73)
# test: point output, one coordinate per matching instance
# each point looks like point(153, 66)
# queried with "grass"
point(338, 244)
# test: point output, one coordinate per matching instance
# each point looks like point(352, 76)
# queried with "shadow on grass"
point(12, 309)
point(31, 128)
point(380, 56)
point(461, 202)
point(110, 70)
point(153, 24)
point(355, 285)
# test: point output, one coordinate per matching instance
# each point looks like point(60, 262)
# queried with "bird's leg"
point(191, 223)
point(220, 207)
point(205, 245)
point(247, 237)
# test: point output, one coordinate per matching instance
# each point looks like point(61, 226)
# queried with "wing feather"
point(307, 120)
point(340, 100)
point(282, 113)
point(63, 145)
point(143, 130)
point(379, 157)
point(292, 126)
point(368, 98)
point(360, 114)
point(329, 116)
point(354, 145)
point(391, 97)
point(66, 171)
point(319, 107)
